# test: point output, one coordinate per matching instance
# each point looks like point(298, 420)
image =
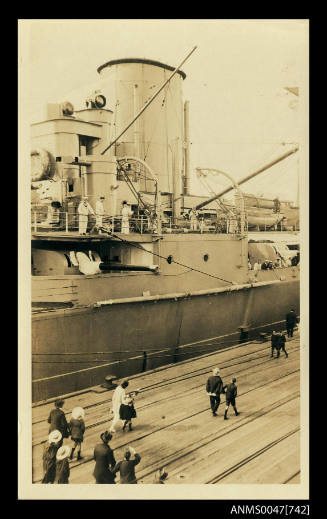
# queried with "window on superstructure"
point(86, 145)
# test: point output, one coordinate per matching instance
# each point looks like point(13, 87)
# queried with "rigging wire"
point(155, 127)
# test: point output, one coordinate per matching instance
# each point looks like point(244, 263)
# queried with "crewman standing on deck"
point(194, 220)
point(84, 209)
point(99, 213)
point(126, 212)
point(214, 387)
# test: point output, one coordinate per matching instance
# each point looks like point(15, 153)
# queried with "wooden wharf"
point(175, 428)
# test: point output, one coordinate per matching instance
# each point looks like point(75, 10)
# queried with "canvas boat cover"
point(260, 252)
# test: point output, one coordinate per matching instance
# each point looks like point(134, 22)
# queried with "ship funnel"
point(130, 83)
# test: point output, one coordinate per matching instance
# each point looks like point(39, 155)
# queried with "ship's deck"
point(175, 429)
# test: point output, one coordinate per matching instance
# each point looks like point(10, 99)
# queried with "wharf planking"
point(174, 427)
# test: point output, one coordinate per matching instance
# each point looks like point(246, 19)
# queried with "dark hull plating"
point(89, 343)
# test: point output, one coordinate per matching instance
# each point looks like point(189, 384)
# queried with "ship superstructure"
point(119, 303)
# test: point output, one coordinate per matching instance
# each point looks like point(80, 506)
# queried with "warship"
point(178, 275)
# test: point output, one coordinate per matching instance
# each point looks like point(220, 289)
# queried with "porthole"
point(206, 257)
point(170, 259)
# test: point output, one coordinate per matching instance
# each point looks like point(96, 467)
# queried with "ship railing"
point(67, 222)
point(43, 220)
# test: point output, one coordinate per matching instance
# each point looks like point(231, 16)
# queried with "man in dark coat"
point(281, 345)
point(274, 342)
point(126, 467)
point(231, 394)
point(214, 387)
point(57, 419)
point(291, 321)
point(104, 461)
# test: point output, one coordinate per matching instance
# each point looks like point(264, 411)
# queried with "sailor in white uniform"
point(99, 212)
point(126, 213)
point(84, 209)
point(194, 220)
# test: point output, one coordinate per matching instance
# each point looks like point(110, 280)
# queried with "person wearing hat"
point(104, 460)
point(77, 429)
point(99, 213)
point(84, 209)
point(49, 456)
point(231, 394)
point(127, 410)
point(126, 213)
point(57, 419)
point(62, 465)
point(214, 387)
point(127, 466)
point(117, 399)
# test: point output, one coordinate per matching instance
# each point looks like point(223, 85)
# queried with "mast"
point(248, 177)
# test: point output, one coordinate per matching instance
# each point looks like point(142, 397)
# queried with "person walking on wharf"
point(77, 429)
point(214, 387)
point(281, 345)
point(231, 394)
point(49, 456)
point(117, 399)
point(104, 461)
point(57, 420)
point(62, 465)
point(291, 321)
point(126, 467)
point(127, 410)
point(274, 342)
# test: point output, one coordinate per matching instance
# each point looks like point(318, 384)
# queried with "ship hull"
point(74, 349)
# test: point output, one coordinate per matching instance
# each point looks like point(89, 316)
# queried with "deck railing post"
point(66, 222)
point(141, 224)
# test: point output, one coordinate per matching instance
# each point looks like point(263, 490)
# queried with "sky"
point(241, 116)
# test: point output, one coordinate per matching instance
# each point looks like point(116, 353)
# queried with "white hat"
point(85, 198)
point(78, 413)
point(54, 437)
point(63, 452)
